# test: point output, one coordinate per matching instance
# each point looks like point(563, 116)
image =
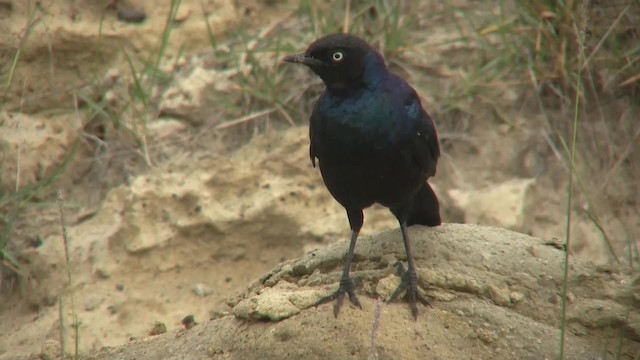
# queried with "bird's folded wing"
point(312, 140)
point(424, 145)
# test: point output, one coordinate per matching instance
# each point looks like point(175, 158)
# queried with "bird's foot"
point(346, 286)
point(409, 282)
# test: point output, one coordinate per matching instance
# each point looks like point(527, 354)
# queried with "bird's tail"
point(425, 209)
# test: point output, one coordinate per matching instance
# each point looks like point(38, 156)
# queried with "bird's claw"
point(409, 283)
point(346, 286)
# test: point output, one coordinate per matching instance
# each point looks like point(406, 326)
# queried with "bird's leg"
point(346, 285)
point(409, 278)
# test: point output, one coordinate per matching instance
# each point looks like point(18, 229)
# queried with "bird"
point(374, 143)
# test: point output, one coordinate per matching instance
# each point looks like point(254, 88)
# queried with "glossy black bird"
point(374, 142)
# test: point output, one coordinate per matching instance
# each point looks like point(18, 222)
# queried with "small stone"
point(201, 289)
point(279, 302)
point(183, 13)
point(120, 287)
point(51, 350)
point(113, 309)
point(486, 336)
point(126, 13)
point(388, 259)
point(103, 273)
point(516, 297)
point(158, 328)
point(245, 308)
point(188, 322)
point(571, 298)
point(6, 5)
point(498, 296)
point(387, 285)
point(112, 74)
point(504, 128)
point(275, 306)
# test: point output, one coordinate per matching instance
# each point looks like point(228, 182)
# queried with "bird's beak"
point(296, 58)
point(302, 58)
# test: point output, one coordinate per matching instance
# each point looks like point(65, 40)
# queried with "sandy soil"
point(189, 233)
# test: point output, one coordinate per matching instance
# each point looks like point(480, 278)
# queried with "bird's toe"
point(409, 285)
point(346, 287)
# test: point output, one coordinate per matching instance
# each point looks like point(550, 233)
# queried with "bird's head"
point(341, 60)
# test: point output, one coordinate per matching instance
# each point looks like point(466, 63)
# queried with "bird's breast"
point(362, 170)
point(370, 120)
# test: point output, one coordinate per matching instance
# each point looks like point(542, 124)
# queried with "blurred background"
point(154, 156)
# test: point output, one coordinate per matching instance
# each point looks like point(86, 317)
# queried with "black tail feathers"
point(425, 209)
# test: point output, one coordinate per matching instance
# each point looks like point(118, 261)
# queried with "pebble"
point(201, 289)
point(50, 350)
point(498, 296)
point(516, 297)
point(158, 328)
point(188, 322)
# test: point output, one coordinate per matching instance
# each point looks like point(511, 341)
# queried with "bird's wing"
point(312, 140)
point(424, 145)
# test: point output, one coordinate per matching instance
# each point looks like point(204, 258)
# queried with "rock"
point(158, 328)
point(127, 12)
point(51, 350)
point(499, 296)
point(467, 324)
point(278, 302)
point(201, 289)
point(188, 322)
point(516, 297)
point(387, 285)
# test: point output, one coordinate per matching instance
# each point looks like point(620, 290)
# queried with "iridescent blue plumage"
point(374, 143)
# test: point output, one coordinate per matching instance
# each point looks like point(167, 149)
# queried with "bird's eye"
point(337, 56)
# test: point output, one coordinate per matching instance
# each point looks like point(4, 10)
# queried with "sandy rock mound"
point(495, 295)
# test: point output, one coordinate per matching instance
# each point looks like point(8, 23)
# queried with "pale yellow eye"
point(337, 56)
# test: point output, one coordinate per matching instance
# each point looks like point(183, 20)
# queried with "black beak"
point(302, 58)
